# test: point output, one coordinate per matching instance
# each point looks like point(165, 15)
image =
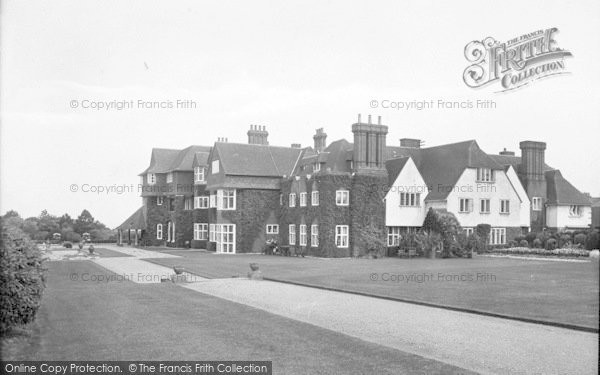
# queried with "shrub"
point(551, 244)
point(513, 243)
point(530, 237)
point(580, 238)
point(447, 226)
point(564, 240)
point(428, 243)
point(523, 243)
point(543, 237)
point(67, 245)
point(592, 241)
point(21, 279)
point(537, 243)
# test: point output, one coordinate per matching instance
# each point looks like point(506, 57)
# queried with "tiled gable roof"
point(185, 159)
point(201, 159)
point(136, 221)
point(514, 161)
point(561, 192)
point(257, 160)
point(394, 167)
point(161, 160)
point(443, 165)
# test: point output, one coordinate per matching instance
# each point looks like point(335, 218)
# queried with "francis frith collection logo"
point(515, 63)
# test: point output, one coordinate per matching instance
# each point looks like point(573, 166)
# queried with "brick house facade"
point(323, 200)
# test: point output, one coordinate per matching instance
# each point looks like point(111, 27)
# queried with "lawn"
point(126, 321)
point(556, 291)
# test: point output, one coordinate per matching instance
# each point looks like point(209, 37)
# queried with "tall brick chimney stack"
point(369, 145)
point(320, 139)
point(258, 135)
point(531, 172)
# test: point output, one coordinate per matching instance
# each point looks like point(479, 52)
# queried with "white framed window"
point(200, 231)
point(281, 199)
point(484, 206)
point(226, 199)
point(498, 236)
point(504, 206)
point(272, 228)
point(302, 199)
point(199, 176)
point(187, 203)
point(314, 235)
point(170, 231)
point(317, 167)
point(211, 232)
point(201, 202)
point(303, 235)
point(465, 205)
point(393, 236)
point(151, 178)
point(468, 231)
point(159, 231)
point(292, 202)
point(341, 235)
point(575, 211)
point(342, 197)
point(160, 201)
point(214, 167)
point(225, 238)
point(169, 177)
point(485, 175)
point(536, 203)
point(314, 198)
point(213, 200)
point(292, 234)
point(410, 199)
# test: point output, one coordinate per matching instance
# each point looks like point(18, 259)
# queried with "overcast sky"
point(292, 66)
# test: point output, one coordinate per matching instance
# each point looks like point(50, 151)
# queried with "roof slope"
point(185, 159)
point(161, 160)
point(394, 167)
point(442, 166)
point(514, 161)
point(136, 221)
point(561, 192)
point(257, 160)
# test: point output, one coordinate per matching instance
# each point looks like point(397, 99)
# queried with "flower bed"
point(543, 252)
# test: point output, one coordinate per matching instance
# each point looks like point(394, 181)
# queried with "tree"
point(47, 223)
point(11, 213)
point(84, 223)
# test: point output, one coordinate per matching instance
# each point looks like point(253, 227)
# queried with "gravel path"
point(479, 343)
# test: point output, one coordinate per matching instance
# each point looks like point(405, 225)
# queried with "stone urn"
point(255, 273)
point(178, 270)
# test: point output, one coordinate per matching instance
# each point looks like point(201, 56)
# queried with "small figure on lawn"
point(254, 273)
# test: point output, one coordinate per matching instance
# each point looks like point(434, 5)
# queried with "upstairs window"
point(485, 175)
point(576, 211)
point(160, 201)
point(465, 205)
point(536, 203)
point(484, 206)
point(342, 197)
point(199, 175)
point(504, 206)
point(201, 202)
point(314, 198)
point(169, 177)
point(226, 199)
point(215, 167)
point(317, 167)
point(292, 200)
point(187, 204)
point(302, 199)
point(410, 199)
point(151, 178)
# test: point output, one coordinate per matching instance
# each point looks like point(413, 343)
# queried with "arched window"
point(159, 231)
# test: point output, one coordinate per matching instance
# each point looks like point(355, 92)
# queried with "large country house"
point(327, 200)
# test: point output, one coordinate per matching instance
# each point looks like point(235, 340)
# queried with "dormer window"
point(485, 175)
point(199, 176)
point(151, 178)
point(169, 177)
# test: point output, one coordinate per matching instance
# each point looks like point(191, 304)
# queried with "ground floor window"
point(303, 235)
point(498, 236)
point(292, 234)
point(200, 231)
point(170, 231)
point(225, 238)
point(159, 232)
point(272, 229)
point(393, 236)
point(468, 231)
point(211, 233)
point(314, 235)
point(341, 235)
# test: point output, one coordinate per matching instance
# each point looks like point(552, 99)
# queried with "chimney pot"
point(369, 119)
point(378, 120)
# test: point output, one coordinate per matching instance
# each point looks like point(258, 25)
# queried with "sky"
point(290, 66)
